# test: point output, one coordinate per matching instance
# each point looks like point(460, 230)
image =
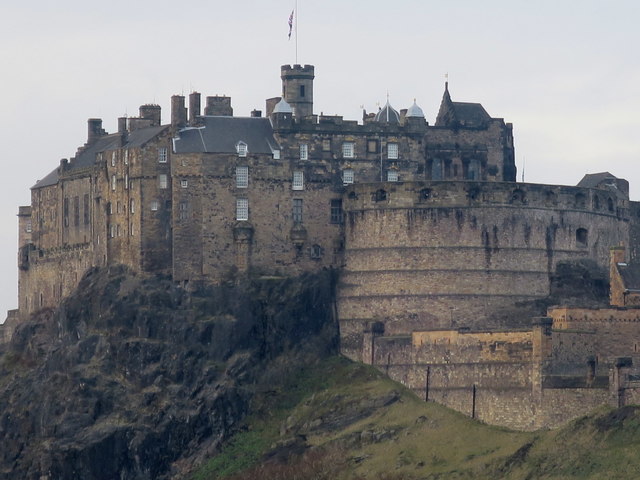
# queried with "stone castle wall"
point(461, 254)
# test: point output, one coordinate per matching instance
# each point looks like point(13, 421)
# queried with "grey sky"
point(566, 74)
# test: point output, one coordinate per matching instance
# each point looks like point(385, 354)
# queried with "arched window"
point(582, 238)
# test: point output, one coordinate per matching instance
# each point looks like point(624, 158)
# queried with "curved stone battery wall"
point(428, 255)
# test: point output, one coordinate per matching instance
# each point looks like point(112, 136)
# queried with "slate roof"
point(470, 114)
point(222, 134)
point(86, 157)
point(387, 114)
point(592, 180)
point(630, 276)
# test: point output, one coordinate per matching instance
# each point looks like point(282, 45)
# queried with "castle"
point(442, 254)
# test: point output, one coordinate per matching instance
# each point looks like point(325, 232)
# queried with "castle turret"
point(297, 89)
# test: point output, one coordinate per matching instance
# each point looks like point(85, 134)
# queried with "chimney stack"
point(151, 112)
point(178, 112)
point(94, 129)
point(194, 107)
point(219, 106)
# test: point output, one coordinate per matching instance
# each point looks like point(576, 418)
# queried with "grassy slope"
point(362, 425)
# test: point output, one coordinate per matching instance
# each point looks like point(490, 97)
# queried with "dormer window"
point(276, 154)
point(241, 148)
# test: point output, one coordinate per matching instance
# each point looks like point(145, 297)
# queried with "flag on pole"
point(290, 23)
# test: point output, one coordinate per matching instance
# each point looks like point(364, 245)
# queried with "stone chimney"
point(152, 113)
point(194, 107)
point(178, 112)
point(95, 131)
point(219, 106)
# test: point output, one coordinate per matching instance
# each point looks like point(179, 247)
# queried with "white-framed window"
point(298, 180)
point(126, 157)
point(113, 182)
point(242, 209)
point(113, 159)
point(392, 151)
point(392, 175)
point(304, 151)
point(348, 150)
point(29, 227)
point(163, 182)
point(162, 155)
point(132, 206)
point(112, 231)
point(348, 176)
point(242, 176)
point(126, 182)
point(155, 204)
point(242, 149)
point(132, 230)
point(276, 154)
point(184, 183)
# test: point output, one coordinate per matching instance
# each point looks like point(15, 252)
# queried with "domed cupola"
point(282, 107)
point(388, 114)
point(415, 111)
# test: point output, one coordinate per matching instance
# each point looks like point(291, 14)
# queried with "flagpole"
point(297, 17)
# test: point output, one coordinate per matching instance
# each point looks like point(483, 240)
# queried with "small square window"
point(392, 151)
point(326, 145)
point(242, 209)
point(242, 177)
point(298, 181)
point(392, 175)
point(276, 154)
point(163, 182)
point(155, 205)
point(348, 176)
point(348, 150)
point(162, 155)
point(304, 151)
point(184, 183)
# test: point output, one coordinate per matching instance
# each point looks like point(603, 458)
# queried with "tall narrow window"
point(132, 206)
point(304, 151)
point(348, 150)
point(184, 210)
point(276, 154)
point(242, 177)
point(126, 157)
point(298, 180)
point(326, 145)
point(113, 182)
point(126, 182)
point(297, 210)
point(76, 211)
point(85, 209)
point(392, 151)
point(302, 91)
point(162, 181)
point(336, 210)
point(113, 159)
point(242, 209)
point(162, 155)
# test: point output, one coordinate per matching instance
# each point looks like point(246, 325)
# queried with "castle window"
point(184, 183)
point(436, 169)
point(126, 182)
point(301, 91)
point(596, 202)
point(28, 228)
point(109, 208)
point(162, 155)
point(184, 210)
point(582, 237)
point(298, 180)
point(113, 182)
point(372, 146)
point(132, 206)
point(242, 149)
point(392, 175)
point(126, 157)
point(316, 252)
point(242, 177)
point(242, 209)
point(113, 159)
point(297, 210)
point(380, 195)
point(76, 211)
point(118, 207)
point(348, 176)
point(112, 231)
point(473, 170)
point(326, 145)
point(610, 204)
point(85, 205)
point(392, 151)
point(348, 150)
point(163, 181)
point(304, 151)
point(155, 205)
point(581, 200)
point(336, 210)
point(276, 154)
point(118, 232)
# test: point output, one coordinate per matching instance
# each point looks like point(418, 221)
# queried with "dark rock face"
point(133, 378)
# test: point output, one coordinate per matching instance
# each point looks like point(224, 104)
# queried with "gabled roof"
point(630, 275)
point(593, 180)
point(86, 156)
point(460, 114)
point(222, 134)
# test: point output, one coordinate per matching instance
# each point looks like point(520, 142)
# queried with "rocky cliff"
point(135, 378)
